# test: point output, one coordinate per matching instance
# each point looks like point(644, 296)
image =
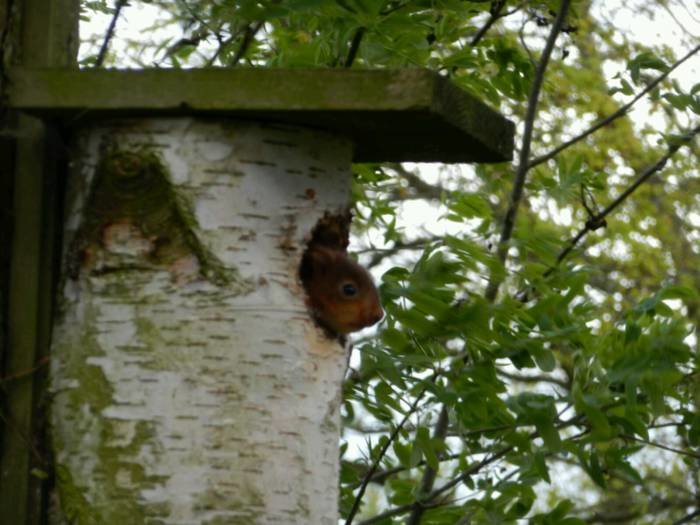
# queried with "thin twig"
point(381, 476)
point(661, 446)
point(44, 360)
point(521, 37)
point(222, 43)
point(430, 473)
point(395, 7)
point(354, 46)
point(424, 504)
point(688, 518)
point(375, 465)
point(617, 114)
point(522, 169)
point(110, 32)
point(248, 37)
point(494, 15)
point(591, 223)
point(536, 378)
point(424, 190)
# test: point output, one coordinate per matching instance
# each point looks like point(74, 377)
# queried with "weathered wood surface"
point(390, 115)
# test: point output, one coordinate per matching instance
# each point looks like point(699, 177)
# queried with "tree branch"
point(661, 446)
point(424, 189)
point(379, 254)
point(494, 15)
point(110, 33)
point(423, 505)
point(522, 169)
point(688, 518)
point(354, 46)
point(43, 361)
point(536, 378)
point(617, 114)
point(593, 222)
point(248, 37)
point(430, 473)
point(375, 465)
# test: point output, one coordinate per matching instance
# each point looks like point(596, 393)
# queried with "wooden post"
point(39, 34)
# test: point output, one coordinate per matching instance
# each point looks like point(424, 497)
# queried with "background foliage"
point(548, 374)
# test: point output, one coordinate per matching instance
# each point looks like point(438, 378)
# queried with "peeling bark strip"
point(190, 385)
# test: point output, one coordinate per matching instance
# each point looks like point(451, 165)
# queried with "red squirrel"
point(340, 292)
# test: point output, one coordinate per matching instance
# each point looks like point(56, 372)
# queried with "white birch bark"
point(179, 398)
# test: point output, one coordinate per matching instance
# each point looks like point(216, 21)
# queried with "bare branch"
point(43, 361)
point(430, 473)
point(661, 446)
point(248, 37)
point(594, 222)
point(673, 16)
point(354, 46)
point(425, 190)
point(494, 15)
point(617, 114)
point(424, 505)
point(110, 32)
point(688, 518)
point(537, 378)
point(522, 169)
point(378, 255)
point(370, 473)
point(521, 37)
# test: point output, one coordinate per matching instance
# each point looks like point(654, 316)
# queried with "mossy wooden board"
point(391, 115)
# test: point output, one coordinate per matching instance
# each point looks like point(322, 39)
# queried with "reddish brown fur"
point(326, 274)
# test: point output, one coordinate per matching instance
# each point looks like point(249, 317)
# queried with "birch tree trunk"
point(189, 383)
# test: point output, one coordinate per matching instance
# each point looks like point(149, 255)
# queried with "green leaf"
point(404, 453)
point(646, 60)
point(558, 516)
point(348, 473)
point(679, 102)
point(539, 410)
point(678, 292)
point(540, 466)
point(401, 491)
point(632, 332)
point(385, 396)
point(468, 205)
point(694, 431)
point(427, 447)
point(590, 406)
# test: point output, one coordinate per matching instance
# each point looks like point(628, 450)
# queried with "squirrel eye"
point(349, 290)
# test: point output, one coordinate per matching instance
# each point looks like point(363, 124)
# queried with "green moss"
point(114, 467)
point(75, 349)
point(75, 507)
point(133, 187)
point(246, 503)
point(116, 459)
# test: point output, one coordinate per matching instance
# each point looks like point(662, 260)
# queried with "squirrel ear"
point(320, 257)
point(315, 261)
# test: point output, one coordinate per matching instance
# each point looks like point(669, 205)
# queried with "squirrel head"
point(339, 291)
